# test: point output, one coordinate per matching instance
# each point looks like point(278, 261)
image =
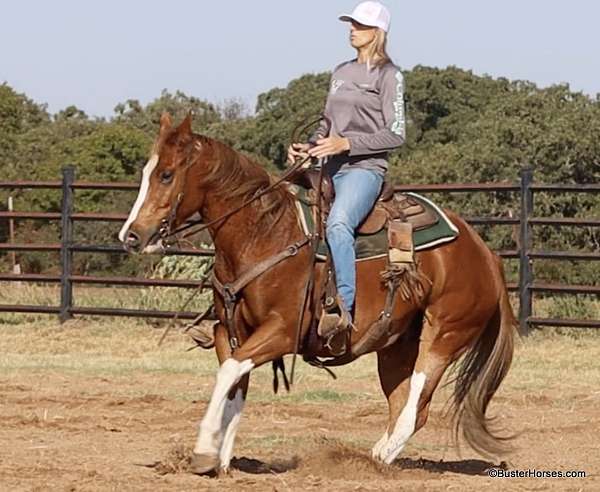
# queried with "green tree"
point(461, 128)
point(279, 111)
point(18, 114)
point(147, 118)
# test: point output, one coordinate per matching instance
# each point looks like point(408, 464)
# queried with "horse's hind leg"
point(395, 364)
point(437, 350)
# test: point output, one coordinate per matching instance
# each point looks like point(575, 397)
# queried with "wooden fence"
point(525, 223)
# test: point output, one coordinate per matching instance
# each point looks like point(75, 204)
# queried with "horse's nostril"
point(132, 241)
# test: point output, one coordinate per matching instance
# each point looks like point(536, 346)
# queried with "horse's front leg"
point(231, 421)
point(235, 399)
point(270, 341)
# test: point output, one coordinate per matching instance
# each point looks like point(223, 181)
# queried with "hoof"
point(376, 451)
point(390, 452)
point(203, 464)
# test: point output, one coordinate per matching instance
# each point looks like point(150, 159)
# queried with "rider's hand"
point(329, 146)
point(297, 150)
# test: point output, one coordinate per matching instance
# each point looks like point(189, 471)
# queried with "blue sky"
point(95, 54)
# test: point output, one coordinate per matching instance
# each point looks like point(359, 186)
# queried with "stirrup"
point(338, 343)
point(335, 329)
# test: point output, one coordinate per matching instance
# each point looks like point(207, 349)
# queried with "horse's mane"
point(233, 175)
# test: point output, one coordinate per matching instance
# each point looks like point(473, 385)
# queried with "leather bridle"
point(230, 291)
point(168, 230)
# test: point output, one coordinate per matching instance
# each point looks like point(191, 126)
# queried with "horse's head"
point(164, 198)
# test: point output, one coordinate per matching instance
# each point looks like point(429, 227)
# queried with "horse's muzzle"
point(138, 243)
point(132, 242)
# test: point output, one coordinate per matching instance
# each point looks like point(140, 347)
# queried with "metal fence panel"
point(525, 287)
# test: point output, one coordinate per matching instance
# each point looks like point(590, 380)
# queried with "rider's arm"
point(393, 134)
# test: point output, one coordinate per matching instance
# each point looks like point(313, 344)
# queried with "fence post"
point(66, 255)
point(525, 268)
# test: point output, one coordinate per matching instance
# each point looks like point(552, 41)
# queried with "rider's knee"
point(338, 222)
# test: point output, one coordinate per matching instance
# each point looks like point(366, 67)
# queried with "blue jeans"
point(356, 190)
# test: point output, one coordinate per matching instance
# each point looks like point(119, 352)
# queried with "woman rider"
point(363, 120)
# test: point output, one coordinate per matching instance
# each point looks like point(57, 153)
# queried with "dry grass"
point(116, 348)
point(174, 299)
point(152, 298)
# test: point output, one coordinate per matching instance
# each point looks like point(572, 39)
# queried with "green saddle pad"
point(370, 246)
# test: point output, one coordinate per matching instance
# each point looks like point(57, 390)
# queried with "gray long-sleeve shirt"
point(365, 105)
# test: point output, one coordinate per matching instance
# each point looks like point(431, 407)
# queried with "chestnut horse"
point(464, 309)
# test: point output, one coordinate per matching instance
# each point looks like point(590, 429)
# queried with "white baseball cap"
point(372, 14)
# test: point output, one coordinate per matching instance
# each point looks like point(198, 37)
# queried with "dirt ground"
point(88, 408)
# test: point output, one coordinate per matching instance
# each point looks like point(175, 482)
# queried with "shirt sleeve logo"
point(335, 85)
point(399, 125)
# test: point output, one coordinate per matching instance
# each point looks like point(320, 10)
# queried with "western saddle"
point(401, 215)
point(389, 207)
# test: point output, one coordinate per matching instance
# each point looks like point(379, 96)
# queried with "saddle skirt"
point(393, 216)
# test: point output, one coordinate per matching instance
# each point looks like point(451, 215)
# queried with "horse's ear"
point(166, 122)
point(185, 128)
point(165, 127)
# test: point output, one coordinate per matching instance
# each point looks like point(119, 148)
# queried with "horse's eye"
point(166, 177)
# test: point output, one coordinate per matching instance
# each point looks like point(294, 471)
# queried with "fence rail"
point(525, 223)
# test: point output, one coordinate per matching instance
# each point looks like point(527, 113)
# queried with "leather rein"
point(168, 229)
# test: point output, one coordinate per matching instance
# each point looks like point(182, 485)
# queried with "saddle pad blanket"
point(369, 246)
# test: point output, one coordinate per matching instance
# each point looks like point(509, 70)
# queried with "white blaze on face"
point(141, 198)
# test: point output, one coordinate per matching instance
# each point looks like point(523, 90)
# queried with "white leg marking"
point(405, 425)
point(378, 445)
point(210, 438)
point(141, 198)
point(231, 421)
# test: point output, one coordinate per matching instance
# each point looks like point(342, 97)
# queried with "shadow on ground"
point(257, 467)
point(464, 467)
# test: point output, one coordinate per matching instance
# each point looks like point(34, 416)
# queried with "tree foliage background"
point(462, 127)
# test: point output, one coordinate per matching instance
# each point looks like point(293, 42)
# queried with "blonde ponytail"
point(376, 52)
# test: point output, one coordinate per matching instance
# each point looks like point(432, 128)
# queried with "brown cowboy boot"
point(334, 327)
point(203, 334)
